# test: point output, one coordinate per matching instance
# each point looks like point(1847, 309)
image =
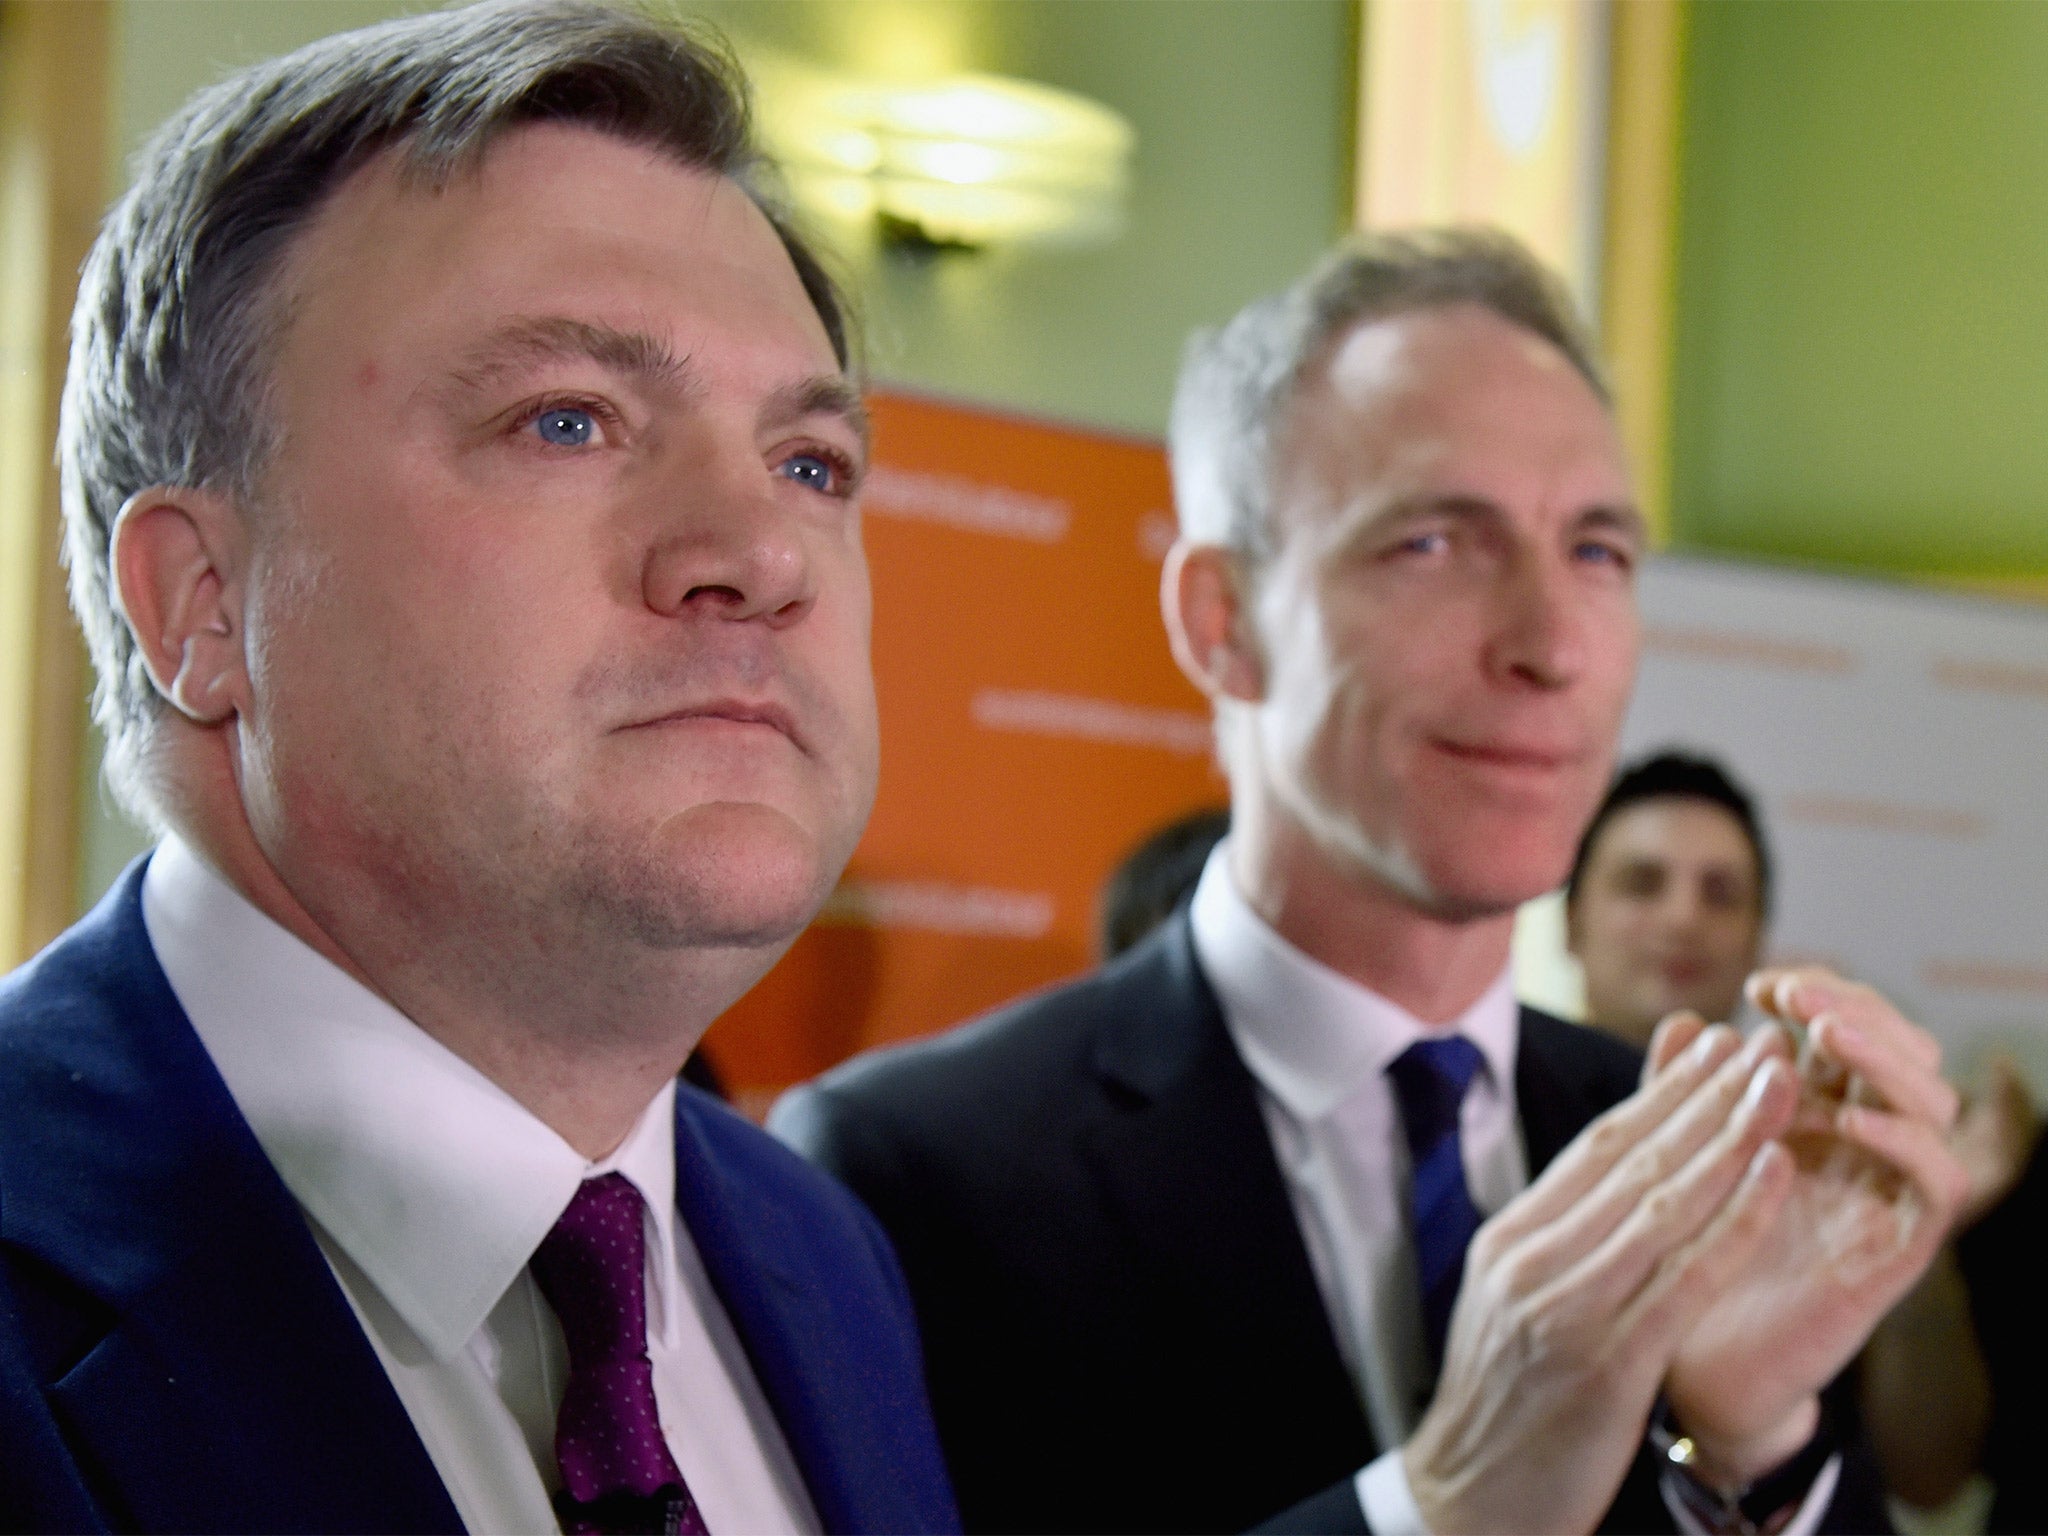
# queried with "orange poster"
point(1034, 727)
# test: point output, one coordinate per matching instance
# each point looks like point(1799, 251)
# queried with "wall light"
point(960, 163)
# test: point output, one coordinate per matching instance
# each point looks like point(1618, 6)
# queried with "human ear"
point(177, 557)
point(1209, 624)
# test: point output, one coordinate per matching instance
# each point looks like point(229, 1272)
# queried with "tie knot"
point(1430, 1079)
point(591, 1268)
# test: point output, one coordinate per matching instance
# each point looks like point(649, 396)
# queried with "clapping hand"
point(1577, 1293)
point(1873, 1192)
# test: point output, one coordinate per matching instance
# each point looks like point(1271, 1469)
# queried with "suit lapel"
point(1564, 1077)
point(233, 1388)
point(1184, 1155)
point(1549, 1112)
point(788, 1312)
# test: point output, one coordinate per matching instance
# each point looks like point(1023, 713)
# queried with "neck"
point(1431, 966)
point(584, 1042)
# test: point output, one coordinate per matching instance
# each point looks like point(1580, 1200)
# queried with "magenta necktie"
point(618, 1478)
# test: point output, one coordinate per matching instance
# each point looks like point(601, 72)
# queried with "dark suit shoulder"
point(982, 1083)
point(91, 1036)
point(82, 972)
point(1591, 1056)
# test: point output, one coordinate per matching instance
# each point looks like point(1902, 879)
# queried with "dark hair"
point(179, 307)
point(1156, 877)
point(1676, 776)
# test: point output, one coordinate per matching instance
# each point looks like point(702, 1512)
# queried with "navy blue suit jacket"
point(175, 1354)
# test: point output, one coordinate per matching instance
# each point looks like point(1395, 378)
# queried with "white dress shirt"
point(429, 1188)
point(1317, 1045)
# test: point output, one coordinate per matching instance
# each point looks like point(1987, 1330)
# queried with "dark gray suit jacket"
point(1122, 1329)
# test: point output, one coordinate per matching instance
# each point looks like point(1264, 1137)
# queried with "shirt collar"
point(437, 1183)
point(1309, 1034)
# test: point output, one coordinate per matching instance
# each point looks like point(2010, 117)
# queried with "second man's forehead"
point(1418, 374)
point(1385, 350)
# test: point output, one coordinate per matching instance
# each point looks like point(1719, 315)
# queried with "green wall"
point(1861, 374)
point(1242, 170)
point(1242, 174)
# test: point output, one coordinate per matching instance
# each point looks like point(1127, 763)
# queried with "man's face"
point(1448, 622)
point(1668, 914)
point(558, 608)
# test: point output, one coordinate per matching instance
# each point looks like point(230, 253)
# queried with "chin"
point(722, 875)
point(1477, 880)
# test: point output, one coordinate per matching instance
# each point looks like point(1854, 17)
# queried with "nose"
point(729, 545)
point(1539, 638)
point(1682, 907)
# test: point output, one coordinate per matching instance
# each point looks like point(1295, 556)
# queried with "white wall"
point(1897, 739)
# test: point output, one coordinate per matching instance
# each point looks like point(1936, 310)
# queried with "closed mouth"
point(725, 711)
point(1507, 755)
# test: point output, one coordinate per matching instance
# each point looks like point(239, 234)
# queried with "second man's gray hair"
point(1238, 381)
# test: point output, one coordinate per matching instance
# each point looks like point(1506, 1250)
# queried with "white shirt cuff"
point(1389, 1503)
point(1805, 1523)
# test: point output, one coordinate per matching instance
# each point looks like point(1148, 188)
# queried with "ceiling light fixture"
point(965, 162)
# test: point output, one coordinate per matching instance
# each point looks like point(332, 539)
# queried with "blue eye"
point(809, 469)
point(566, 426)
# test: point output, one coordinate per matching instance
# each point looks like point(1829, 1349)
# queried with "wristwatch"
point(1759, 1508)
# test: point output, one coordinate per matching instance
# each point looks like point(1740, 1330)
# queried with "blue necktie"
point(1430, 1079)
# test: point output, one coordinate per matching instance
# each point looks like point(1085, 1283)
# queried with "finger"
point(1672, 1036)
point(1911, 1147)
point(1872, 1013)
point(1773, 988)
point(1645, 1176)
point(1801, 994)
point(1693, 1278)
point(1608, 1247)
point(1611, 1137)
point(1903, 1083)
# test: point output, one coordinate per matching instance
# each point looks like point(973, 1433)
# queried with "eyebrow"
point(1622, 518)
point(637, 354)
point(523, 343)
point(824, 394)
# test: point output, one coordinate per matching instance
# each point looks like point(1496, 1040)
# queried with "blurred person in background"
point(1153, 879)
point(1668, 895)
point(1951, 1383)
point(460, 462)
point(1287, 1213)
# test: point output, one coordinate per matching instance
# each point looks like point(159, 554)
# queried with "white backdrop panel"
point(1897, 739)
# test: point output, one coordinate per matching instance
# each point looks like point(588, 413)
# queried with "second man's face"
point(1448, 623)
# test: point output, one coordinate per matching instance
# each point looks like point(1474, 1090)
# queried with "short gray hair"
point(178, 313)
point(1237, 381)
